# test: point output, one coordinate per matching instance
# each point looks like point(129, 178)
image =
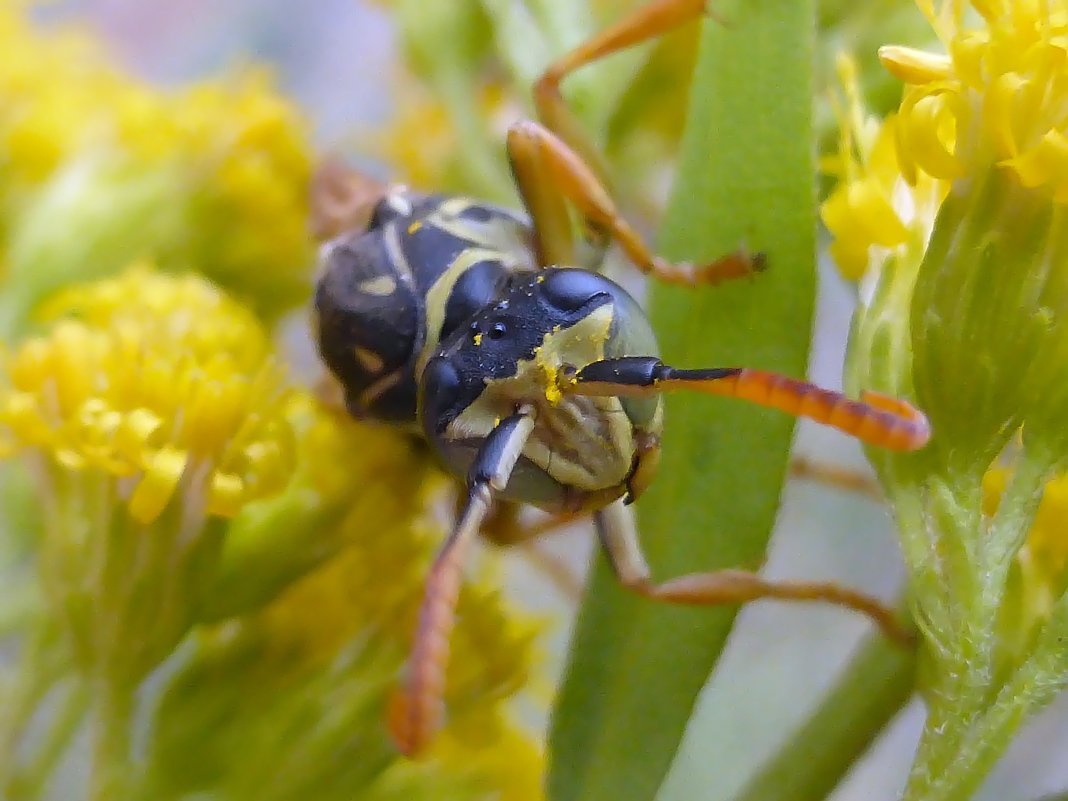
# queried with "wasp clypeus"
point(532, 379)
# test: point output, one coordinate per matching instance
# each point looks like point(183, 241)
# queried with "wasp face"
point(512, 354)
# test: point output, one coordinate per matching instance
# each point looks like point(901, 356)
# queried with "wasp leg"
point(619, 538)
point(875, 419)
point(842, 478)
point(504, 528)
point(418, 713)
point(342, 198)
point(644, 23)
point(548, 172)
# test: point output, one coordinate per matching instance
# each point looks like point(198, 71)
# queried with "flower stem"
point(111, 746)
point(60, 730)
point(873, 688)
point(971, 723)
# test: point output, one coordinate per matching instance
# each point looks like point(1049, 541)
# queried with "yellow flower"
point(874, 212)
point(994, 98)
point(1044, 556)
point(234, 154)
point(427, 145)
point(323, 656)
point(160, 381)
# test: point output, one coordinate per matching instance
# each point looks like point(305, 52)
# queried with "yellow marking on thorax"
point(368, 359)
point(415, 226)
point(395, 252)
point(492, 241)
point(380, 388)
point(381, 286)
point(437, 298)
point(502, 234)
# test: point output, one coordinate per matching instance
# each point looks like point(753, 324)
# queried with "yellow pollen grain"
point(553, 393)
point(415, 226)
point(478, 339)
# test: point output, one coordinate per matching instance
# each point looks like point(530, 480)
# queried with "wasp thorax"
point(514, 354)
point(369, 326)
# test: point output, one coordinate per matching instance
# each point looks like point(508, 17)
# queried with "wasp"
point(532, 377)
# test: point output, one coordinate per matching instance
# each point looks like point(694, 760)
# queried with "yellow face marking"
point(478, 338)
point(381, 286)
point(368, 359)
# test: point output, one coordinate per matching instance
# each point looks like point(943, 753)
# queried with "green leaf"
point(872, 689)
point(746, 175)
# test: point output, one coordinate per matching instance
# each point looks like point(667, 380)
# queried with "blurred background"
point(341, 60)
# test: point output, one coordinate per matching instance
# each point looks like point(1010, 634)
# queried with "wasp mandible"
point(533, 378)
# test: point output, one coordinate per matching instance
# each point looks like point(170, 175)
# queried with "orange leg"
point(418, 710)
point(619, 538)
point(644, 23)
point(876, 419)
point(504, 528)
point(548, 173)
point(841, 478)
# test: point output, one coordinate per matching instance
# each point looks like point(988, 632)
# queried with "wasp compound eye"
point(570, 290)
point(443, 392)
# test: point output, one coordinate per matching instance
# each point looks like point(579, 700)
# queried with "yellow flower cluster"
point(152, 400)
point(354, 594)
point(426, 145)
point(157, 379)
point(239, 153)
point(386, 542)
point(343, 622)
point(874, 211)
point(375, 585)
point(994, 98)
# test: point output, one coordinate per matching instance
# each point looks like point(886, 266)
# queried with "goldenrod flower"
point(214, 175)
point(152, 404)
point(969, 313)
point(198, 509)
point(293, 695)
point(150, 407)
point(993, 98)
point(880, 224)
point(425, 144)
point(1040, 577)
point(155, 381)
point(874, 213)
